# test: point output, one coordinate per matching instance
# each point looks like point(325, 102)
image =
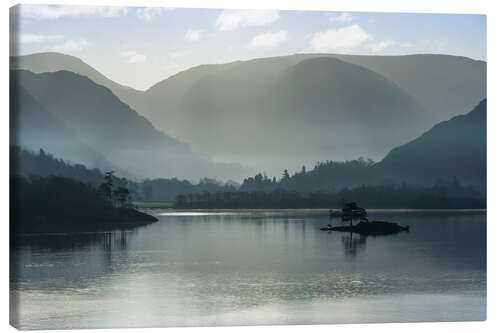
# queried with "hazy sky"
point(140, 46)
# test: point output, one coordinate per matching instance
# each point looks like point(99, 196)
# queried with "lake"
point(252, 268)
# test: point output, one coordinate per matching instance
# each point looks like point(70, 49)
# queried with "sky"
point(140, 46)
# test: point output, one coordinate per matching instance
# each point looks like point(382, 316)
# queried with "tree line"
point(324, 186)
point(327, 177)
point(444, 195)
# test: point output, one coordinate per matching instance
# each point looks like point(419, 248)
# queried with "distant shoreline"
point(297, 211)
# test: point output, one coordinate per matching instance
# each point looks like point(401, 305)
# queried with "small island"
point(351, 211)
point(62, 205)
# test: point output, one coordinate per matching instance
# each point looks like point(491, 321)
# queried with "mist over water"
point(260, 267)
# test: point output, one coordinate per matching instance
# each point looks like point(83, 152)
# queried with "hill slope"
point(456, 147)
point(100, 120)
point(54, 62)
point(33, 127)
point(445, 85)
point(453, 148)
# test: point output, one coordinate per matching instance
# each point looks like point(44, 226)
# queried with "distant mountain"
point(101, 121)
point(54, 62)
point(456, 147)
point(255, 91)
point(445, 85)
point(436, 81)
point(316, 108)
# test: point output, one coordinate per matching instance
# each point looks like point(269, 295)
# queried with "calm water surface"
point(249, 268)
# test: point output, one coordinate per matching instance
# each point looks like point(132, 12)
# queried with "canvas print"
point(211, 167)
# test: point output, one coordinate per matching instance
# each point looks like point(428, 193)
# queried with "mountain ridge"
point(438, 78)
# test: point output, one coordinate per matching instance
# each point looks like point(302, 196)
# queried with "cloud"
point(340, 40)
point(348, 39)
point(379, 46)
point(133, 57)
point(149, 13)
point(71, 45)
point(37, 38)
point(52, 12)
point(231, 19)
point(269, 39)
point(193, 35)
point(178, 54)
point(342, 18)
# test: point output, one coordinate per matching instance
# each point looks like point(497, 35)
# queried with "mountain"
point(100, 120)
point(271, 117)
point(54, 62)
point(456, 147)
point(248, 111)
point(445, 85)
point(451, 155)
point(257, 92)
point(32, 126)
point(435, 81)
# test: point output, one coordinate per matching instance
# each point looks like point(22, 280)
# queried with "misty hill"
point(435, 80)
point(100, 120)
point(445, 85)
point(316, 108)
point(43, 130)
point(253, 91)
point(250, 91)
point(456, 147)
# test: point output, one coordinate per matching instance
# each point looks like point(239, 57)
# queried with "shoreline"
point(312, 210)
point(118, 219)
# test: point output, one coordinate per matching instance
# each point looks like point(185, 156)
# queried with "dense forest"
point(163, 189)
point(27, 163)
point(327, 177)
point(444, 195)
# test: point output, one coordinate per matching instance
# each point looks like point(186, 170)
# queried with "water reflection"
point(222, 269)
point(112, 240)
point(352, 244)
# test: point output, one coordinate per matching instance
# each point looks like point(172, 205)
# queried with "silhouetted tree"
point(106, 188)
point(285, 176)
point(122, 195)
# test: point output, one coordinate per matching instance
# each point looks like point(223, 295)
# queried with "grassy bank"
point(153, 204)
